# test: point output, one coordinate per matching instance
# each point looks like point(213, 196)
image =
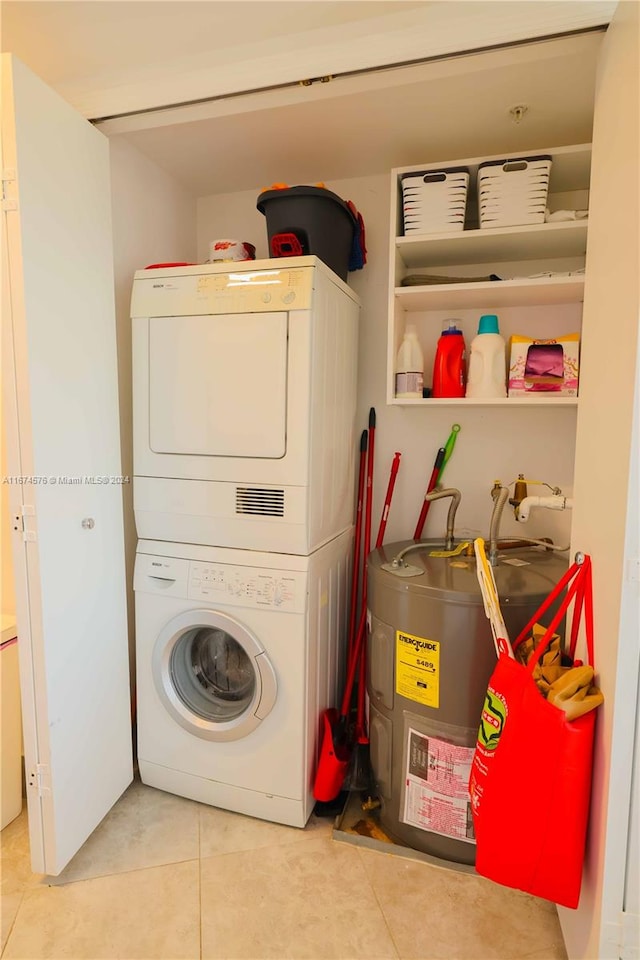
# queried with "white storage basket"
point(513, 192)
point(434, 201)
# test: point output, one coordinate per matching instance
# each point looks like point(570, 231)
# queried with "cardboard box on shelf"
point(544, 366)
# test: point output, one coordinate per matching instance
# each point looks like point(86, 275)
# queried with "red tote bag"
point(530, 781)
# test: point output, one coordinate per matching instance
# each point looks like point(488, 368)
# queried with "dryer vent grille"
point(260, 501)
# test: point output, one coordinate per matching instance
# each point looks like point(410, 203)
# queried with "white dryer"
point(244, 397)
point(238, 654)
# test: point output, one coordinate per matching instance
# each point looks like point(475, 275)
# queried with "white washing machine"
point(244, 399)
point(238, 655)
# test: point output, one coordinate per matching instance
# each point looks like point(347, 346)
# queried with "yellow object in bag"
point(569, 688)
point(574, 692)
point(549, 667)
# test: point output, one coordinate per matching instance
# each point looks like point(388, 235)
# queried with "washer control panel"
point(283, 590)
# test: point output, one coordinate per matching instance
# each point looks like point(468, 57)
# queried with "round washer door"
point(213, 675)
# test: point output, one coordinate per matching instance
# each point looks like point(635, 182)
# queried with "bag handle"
point(577, 614)
point(544, 606)
point(562, 609)
point(584, 592)
point(586, 596)
point(581, 588)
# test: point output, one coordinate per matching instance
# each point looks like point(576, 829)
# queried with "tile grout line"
point(380, 908)
point(13, 923)
point(22, 896)
point(116, 873)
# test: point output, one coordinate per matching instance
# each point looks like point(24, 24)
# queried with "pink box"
point(544, 366)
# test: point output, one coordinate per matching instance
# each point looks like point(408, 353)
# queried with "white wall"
point(493, 443)
point(153, 222)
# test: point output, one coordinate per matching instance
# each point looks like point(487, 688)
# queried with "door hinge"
point(20, 522)
point(8, 203)
point(39, 779)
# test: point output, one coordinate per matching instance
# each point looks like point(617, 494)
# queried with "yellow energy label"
point(418, 669)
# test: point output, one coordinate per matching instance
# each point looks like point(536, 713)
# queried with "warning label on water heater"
point(418, 669)
point(436, 795)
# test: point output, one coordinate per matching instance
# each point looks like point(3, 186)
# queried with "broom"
point(358, 773)
point(335, 750)
point(362, 775)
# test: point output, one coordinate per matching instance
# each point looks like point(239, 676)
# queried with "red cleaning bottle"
point(449, 368)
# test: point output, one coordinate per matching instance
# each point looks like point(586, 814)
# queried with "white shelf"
point(570, 170)
point(492, 294)
point(538, 401)
point(516, 251)
point(531, 242)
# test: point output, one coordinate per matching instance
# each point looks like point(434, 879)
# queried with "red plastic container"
point(450, 366)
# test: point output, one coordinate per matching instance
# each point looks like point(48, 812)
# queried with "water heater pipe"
point(456, 496)
point(551, 503)
point(500, 496)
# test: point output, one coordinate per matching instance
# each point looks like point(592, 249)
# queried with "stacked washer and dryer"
point(244, 396)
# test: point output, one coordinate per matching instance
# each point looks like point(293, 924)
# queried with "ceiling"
point(70, 41)
point(445, 110)
point(355, 125)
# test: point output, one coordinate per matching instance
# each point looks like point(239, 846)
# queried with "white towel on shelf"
point(561, 215)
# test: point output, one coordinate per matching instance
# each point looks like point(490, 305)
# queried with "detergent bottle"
point(410, 366)
point(449, 368)
point(487, 361)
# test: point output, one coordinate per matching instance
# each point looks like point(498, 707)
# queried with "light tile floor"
point(163, 877)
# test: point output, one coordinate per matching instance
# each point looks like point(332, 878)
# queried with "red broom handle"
point(432, 485)
point(387, 502)
point(369, 501)
point(362, 678)
point(361, 733)
point(352, 667)
point(355, 573)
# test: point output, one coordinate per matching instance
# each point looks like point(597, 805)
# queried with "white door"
point(61, 410)
point(608, 372)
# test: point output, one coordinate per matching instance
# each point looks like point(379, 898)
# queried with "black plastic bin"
point(309, 220)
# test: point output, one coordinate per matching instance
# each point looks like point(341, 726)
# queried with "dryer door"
point(213, 675)
point(218, 385)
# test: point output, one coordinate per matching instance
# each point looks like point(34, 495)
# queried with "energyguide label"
point(418, 669)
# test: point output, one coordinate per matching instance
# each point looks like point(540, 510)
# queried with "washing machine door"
point(213, 675)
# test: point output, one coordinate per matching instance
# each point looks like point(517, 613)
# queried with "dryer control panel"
point(283, 590)
point(204, 293)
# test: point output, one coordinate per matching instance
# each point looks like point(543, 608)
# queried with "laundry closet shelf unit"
point(537, 401)
point(520, 254)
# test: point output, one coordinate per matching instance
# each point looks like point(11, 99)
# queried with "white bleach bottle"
point(487, 373)
point(410, 366)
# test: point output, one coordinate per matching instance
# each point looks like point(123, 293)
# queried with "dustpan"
point(333, 762)
point(335, 752)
